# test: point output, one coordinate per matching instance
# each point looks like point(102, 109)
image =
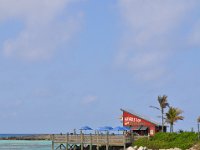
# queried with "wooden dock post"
point(67, 141)
point(90, 141)
point(52, 138)
point(124, 139)
point(74, 147)
point(107, 141)
point(97, 140)
point(81, 140)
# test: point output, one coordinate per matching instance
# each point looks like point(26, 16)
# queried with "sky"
point(69, 63)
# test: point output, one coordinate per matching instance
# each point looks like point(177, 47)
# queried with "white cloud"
point(89, 99)
point(148, 35)
point(44, 30)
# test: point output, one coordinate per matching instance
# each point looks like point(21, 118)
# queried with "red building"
point(140, 124)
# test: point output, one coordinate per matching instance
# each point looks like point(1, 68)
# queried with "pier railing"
point(97, 140)
point(92, 138)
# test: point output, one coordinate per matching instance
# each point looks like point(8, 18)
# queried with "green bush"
point(182, 140)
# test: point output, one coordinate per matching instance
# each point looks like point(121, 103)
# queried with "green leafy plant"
point(182, 140)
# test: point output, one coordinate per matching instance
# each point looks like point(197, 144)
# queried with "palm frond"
point(198, 119)
point(173, 115)
point(163, 101)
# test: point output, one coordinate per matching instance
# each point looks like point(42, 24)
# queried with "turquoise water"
point(24, 145)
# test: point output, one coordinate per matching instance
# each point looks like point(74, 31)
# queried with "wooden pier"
point(90, 141)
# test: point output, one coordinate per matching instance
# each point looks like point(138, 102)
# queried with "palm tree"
point(198, 121)
point(163, 104)
point(173, 115)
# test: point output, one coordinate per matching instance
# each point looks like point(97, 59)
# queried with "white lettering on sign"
point(132, 119)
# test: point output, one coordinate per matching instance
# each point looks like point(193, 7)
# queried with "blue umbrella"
point(101, 129)
point(118, 128)
point(85, 128)
point(105, 128)
point(126, 128)
point(108, 127)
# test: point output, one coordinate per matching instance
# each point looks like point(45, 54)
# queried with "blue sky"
point(69, 63)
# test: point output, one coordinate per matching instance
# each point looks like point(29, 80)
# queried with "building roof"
point(141, 116)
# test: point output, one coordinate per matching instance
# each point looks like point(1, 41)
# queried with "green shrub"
point(183, 140)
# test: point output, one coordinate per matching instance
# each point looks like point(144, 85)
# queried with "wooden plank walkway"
point(97, 140)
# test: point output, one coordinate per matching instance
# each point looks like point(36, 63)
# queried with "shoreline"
point(28, 137)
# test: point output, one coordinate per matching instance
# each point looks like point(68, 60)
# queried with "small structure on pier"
point(140, 124)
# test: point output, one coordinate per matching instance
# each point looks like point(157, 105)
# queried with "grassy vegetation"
point(184, 140)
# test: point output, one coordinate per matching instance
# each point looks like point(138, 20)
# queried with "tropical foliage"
point(198, 119)
point(184, 140)
point(198, 122)
point(172, 116)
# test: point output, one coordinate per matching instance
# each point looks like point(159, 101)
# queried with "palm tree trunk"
point(198, 132)
point(162, 111)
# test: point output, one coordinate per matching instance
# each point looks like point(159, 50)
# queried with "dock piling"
point(124, 139)
point(97, 140)
point(67, 138)
point(90, 141)
point(52, 145)
point(82, 140)
point(107, 141)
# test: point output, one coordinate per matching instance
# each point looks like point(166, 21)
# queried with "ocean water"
point(24, 145)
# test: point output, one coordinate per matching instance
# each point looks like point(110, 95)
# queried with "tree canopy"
point(173, 115)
